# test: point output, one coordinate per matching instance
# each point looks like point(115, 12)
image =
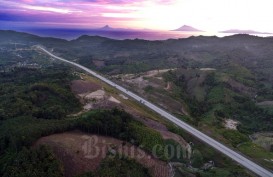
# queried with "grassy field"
point(258, 153)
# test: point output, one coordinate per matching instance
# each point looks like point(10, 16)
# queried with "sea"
point(70, 34)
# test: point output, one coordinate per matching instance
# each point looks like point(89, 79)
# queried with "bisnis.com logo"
point(94, 147)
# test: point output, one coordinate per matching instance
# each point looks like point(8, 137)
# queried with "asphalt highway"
point(257, 169)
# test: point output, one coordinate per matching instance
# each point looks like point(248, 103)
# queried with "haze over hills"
point(187, 28)
point(110, 28)
point(250, 51)
point(238, 31)
point(125, 33)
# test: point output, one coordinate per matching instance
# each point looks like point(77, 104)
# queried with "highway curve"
point(213, 143)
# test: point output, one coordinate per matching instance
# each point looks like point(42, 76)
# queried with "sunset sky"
point(208, 15)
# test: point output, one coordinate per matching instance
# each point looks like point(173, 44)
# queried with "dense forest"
point(219, 97)
point(42, 94)
point(241, 79)
point(133, 56)
point(32, 163)
point(35, 101)
point(19, 129)
point(118, 167)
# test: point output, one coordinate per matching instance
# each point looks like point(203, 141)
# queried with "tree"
point(197, 159)
point(31, 163)
point(2, 114)
point(210, 79)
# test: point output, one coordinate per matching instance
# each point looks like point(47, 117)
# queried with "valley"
point(225, 91)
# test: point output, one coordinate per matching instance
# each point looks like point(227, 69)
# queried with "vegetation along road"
point(215, 144)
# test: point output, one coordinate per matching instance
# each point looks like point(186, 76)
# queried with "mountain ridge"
point(238, 31)
point(188, 28)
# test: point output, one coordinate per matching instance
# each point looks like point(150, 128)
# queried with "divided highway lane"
point(215, 144)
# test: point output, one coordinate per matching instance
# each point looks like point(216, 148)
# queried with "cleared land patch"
point(80, 154)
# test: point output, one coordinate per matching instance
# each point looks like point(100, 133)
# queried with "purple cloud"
point(84, 12)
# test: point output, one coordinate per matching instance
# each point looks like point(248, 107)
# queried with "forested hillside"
point(36, 103)
point(132, 56)
point(208, 80)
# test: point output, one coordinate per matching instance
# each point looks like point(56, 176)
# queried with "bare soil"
point(138, 83)
point(80, 86)
point(239, 87)
point(98, 63)
point(81, 152)
point(67, 155)
point(231, 124)
point(92, 96)
point(162, 129)
point(265, 103)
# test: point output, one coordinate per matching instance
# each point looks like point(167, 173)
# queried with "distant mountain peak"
point(238, 31)
point(106, 27)
point(187, 28)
